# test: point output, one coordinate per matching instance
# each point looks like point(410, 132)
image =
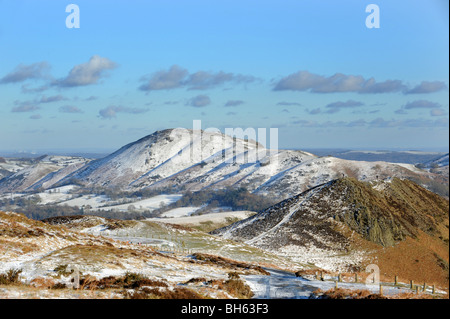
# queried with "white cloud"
point(178, 77)
point(339, 82)
point(24, 72)
point(422, 104)
point(112, 110)
point(427, 87)
point(70, 109)
point(437, 112)
point(87, 73)
point(199, 101)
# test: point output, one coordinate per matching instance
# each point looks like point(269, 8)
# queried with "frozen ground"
point(146, 204)
point(285, 285)
point(95, 201)
point(131, 249)
point(180, 212)
point(198, 219)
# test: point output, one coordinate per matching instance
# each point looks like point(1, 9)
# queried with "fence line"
point(413, 287)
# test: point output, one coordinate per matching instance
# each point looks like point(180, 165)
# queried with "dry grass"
point(346, 294)
point(129, 281)
point(101, 254)
point(139, 285)
point(155, 293)
point(228, 263)
point(178, 227)
point(422, 260)
point(234, 286)
point(11, 277)
point(365, 294)
point(85, 221)
point(134, 286)
point(22, 224)
point(43, 283)
point(54, 292)
point(196, 280)
point(315, 272)
point(237, 288)
point(17, 247)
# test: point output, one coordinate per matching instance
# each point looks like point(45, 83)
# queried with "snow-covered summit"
point(199, 159)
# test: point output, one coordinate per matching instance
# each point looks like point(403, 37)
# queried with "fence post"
point(396, 280)
point(335, 285)
point(321, 276)
point(411, 284)
point(381, 289)
point(339, 277)
point(433, 289)
point(417, 289)
point(424, 286)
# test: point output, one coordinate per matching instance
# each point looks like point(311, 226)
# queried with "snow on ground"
point(64, 196)
point(180, 212)
point(169, 266)
point(12, 167)
point(55, 195)
point(102, 202)
point(11, 196)
point(411, 167)
point(51, 198)
point(196, 220)
point(63, 189)
point(285, 285)
point(146, 204)
point(95, 201)
point(322, 258)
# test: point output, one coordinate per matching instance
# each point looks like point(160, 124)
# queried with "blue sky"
point(312, 69)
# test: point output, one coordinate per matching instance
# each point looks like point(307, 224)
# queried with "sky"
point(312, 69)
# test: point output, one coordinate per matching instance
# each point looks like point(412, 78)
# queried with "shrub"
point(129, 281)
point(346, 294)
point(154, 293)
point(59, 285)
point(238, 288)
point(134, 280)
point(43, 283)
point(233, 275)
point(10, 277)
point(195, 280)
point(61, 270)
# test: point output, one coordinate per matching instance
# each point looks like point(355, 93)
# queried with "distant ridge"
point(164, 160)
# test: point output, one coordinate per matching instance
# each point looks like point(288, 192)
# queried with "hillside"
point(117, 265)
point(22, 174)
point(345, 224)
point(439, 161)
point(407, 157)
point(169, 160)
point(119, 259)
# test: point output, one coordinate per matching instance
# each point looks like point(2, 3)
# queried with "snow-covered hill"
point(116, 258)
point(195, 160)
point(44, 251)
point(440, 161)
point(338, 224)
point(24, 174)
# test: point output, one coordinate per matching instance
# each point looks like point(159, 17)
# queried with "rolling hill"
point(170, 159)
point(346, 224)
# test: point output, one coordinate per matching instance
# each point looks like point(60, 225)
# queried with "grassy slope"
point(411, 223)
